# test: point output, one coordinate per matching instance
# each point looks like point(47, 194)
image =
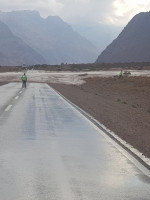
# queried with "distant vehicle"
point(126, 73)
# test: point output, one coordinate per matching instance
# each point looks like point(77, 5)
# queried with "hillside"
point(14, 51)
point(132, 45)
point(54, 39)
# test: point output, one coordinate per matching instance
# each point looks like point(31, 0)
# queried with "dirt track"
point(122, 105)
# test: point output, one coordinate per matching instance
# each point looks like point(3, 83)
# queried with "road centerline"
point(16, 97)
point(8, 108)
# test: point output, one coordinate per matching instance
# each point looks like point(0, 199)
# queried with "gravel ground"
point(122, 105)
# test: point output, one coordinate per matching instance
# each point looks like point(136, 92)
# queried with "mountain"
point(14, 51)
point(52, 38)
point(133, 43)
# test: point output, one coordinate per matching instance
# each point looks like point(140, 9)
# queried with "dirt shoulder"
point(122, 105)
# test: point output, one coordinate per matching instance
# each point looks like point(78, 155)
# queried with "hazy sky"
point(117, 12)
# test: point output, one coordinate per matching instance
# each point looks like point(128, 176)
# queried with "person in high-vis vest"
point(121, 74)
point(24, 80)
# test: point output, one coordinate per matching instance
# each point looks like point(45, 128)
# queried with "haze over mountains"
point(14, 51)
point(27, 38)
point(132, 45)
point(52, 40)
point(101, 35)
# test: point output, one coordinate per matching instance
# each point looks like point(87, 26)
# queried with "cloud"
point(45, 7)
point(124, 10)
point(116, 12)
point(85, 11)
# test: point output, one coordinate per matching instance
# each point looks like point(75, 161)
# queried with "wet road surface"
point(49, 151)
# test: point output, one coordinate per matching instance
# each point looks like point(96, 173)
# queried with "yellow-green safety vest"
point(24, 77)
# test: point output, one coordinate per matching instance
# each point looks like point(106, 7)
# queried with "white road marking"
point(16, 97)
point(20, 92)
point(8, 108)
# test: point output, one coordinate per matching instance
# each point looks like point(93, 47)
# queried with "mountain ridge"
point(51, 37)
point(14, 51)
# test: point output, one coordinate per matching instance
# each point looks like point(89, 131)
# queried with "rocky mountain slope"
point(14, 51)
point(132, 45)
point(52, 38)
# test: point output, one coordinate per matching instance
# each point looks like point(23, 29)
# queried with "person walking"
point(24, 80)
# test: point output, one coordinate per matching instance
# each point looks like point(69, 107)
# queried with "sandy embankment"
point(122, 105)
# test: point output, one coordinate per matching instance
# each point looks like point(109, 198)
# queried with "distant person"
point(24, 80)
point(121, 74)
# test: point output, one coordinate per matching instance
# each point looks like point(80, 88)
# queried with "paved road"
point(49, 151)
